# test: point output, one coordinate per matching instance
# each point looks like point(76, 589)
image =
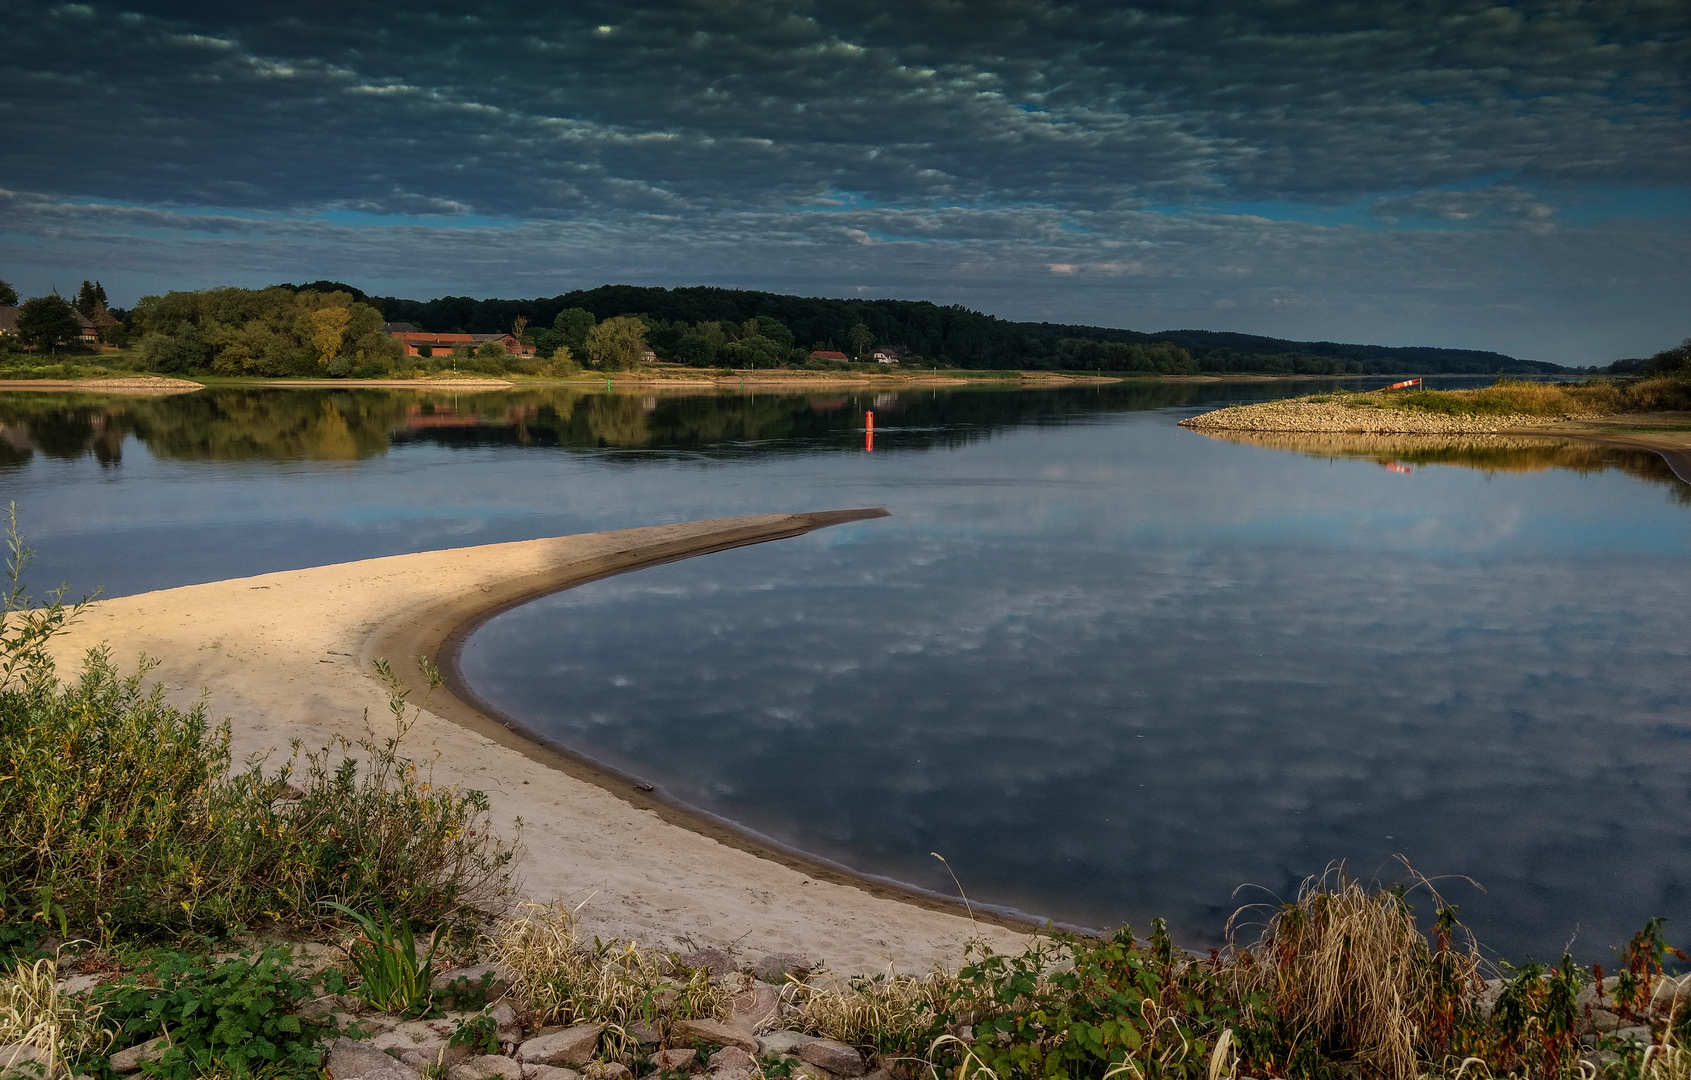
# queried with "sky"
point(1510, 176)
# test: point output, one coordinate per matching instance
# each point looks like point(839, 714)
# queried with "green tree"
point(617, 344)
point(861, 338)
point(8, 295)
point(91, 298)
point(574, 324)
point(48, 322)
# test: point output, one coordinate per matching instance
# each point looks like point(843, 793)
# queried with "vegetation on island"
point(136, 855)
point(1663, 386)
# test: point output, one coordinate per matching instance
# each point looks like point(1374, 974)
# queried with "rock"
point(731, 1057)
point(1603, 1020)
point(673, 1060)
point(549, 1072)
point(1667, 993)
point(606, 1070)
point(886, 1074)
point(571, 1046)
point(731, 1074)
point(715, 961)
point(1636, 1034)
point(754, 1007)
point(804, 1070)
point(836, 1057)
point(423, 1041)
point(19, 1060)
point(79, 984)
point(643, 1033)
point(665, 999)
point(782, 1042)
point(509, 1025)
point(713, 1031)
point(128, 1061)
point(498, 980)
point(486, 1067)
point(350, 1060)
point(775, 967)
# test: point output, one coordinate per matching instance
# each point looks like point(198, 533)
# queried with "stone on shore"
point(782, 1042)
point(607, 1070)
point(486, 1067)
point(495, 978)
point(549, 1072)
point(731, 1057)
point(130, 1060)
point(573, 1046)
point(775, 967)
point(713, 960)
point(716, 1032)
point(750, 1009)
point(836, 1057)
point(350, 1060)
point(673, 1060)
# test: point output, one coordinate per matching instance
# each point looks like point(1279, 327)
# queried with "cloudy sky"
point(1513, 177)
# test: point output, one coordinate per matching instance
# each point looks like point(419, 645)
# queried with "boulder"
point(350, 1060)
point(753, 1007)
point(804, 1070)
point(571, 1046)
point(1639, 1034)
point(716, 1032)
point(486, 1067)
point(643, 1033)
point(128, 1061)
point(782, 1042)
point(673, 1060)
point(836, 1057)
point(549, 1072)
point(424, 1041)
point(775, 967)
point(498, 979)
point(606, 1070)
point(20, 1060)
point(509, 1025)
point(78, 984)
point(731, 1057)
point(715, 961)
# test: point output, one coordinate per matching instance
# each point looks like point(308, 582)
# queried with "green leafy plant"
point(480, 1033)
point(391, 976)
point(230, 1018)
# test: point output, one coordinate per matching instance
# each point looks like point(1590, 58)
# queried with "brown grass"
point(1509, 397)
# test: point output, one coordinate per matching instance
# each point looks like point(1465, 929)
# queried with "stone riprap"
point(1303, 414)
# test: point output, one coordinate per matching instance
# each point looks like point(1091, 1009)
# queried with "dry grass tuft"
point(568, 981)
point(1348, 968)
point(1510, 397)
point(893, 1013)
point(59, 1027)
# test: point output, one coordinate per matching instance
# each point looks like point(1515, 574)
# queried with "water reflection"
point(1489, 454)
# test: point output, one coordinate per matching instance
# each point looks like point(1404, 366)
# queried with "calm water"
point(1108, 667)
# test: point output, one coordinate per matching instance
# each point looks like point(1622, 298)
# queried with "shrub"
point(121, 815)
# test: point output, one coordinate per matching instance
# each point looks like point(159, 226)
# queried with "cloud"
point(992, 143)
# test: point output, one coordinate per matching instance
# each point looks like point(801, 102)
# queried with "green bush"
point(122, 818)
point(231, 1018)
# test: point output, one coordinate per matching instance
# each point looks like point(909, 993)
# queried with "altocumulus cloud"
point(1502, 176)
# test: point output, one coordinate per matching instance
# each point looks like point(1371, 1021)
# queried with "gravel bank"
point(1303, 415)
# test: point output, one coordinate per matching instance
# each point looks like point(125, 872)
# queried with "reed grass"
point(1514, 397)
point(61, 1028)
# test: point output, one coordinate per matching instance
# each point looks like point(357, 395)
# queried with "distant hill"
point(957, 336)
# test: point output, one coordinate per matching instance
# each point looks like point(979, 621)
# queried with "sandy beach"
point(289, 656)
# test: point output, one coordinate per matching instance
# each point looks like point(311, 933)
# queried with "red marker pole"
point(869, 432)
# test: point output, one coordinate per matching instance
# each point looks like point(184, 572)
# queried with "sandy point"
point(290, 655)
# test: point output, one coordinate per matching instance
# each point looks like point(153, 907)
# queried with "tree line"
point(330, 328)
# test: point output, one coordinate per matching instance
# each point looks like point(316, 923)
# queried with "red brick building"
point(415, 341)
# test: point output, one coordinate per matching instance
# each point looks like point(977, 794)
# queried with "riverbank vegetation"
point(135, 856)
point(1514, 397)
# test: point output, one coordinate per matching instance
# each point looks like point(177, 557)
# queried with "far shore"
point(290, 655)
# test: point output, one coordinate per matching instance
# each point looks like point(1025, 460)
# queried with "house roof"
point(398, 328)
point(828, 354)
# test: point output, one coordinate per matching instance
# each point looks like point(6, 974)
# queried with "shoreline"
point(288, 655)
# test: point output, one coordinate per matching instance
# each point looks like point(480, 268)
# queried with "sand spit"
point(1305, 416)
point(288, 655)
point(139, 386)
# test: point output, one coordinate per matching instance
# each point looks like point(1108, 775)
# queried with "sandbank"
point(289, 656)
point(137, 386)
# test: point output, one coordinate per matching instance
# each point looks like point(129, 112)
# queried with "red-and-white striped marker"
point(1401, 385)
point(869, 432)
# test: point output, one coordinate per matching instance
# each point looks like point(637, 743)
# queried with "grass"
point(1512, 397)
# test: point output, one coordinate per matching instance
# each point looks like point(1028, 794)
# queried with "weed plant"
point(391, 977)
point(121, 817)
